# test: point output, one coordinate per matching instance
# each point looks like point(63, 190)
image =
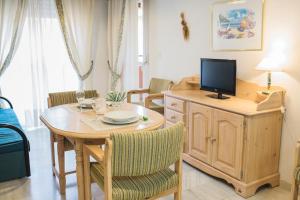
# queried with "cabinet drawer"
point(173, 116)
point(175, 104)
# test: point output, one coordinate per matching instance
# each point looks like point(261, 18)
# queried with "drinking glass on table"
point(99, 106)
point(80, 96)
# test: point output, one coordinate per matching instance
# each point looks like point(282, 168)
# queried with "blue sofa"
point(14, 146)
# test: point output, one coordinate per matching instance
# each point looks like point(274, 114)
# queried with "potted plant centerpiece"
point(115, 98)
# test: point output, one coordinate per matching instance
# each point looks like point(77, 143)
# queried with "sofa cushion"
point(9, 139)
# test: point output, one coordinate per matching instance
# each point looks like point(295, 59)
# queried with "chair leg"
point(178, 170)
point(108, 171)
point(61, 164)
point(295, 189)
point(52, 152)
point(178, 195)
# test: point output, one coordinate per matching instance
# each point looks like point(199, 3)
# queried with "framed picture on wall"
point(237, 25)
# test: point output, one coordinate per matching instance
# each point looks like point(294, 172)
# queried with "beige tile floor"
point(42, 185)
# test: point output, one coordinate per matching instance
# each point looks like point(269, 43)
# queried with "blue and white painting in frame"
point(238, 25)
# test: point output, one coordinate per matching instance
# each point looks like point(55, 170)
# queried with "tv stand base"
point(218, 96)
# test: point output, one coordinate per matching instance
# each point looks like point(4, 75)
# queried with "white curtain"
point(40, 65)
point(123, 44)
point(12, 14)
point(76, 19)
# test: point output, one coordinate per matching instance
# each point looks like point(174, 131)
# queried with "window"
point(141, 60)
point(140, 32)
point(41, 64)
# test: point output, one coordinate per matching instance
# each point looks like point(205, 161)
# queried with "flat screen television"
point(219, 76)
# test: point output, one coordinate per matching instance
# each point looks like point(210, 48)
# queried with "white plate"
point(120, 122)
point(120, 116)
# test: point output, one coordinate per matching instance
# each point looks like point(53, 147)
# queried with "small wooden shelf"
point(193, 82)
point(269, 101)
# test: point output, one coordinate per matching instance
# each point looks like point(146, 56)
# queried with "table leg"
point(79, 168)
point(61, 164)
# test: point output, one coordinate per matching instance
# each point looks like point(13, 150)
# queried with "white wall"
point(173, 58)
point(100, 74)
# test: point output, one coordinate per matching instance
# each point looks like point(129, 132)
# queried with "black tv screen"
point(218, 75)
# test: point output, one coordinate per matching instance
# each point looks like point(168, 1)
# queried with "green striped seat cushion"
point(297, 174)
point(138, 187)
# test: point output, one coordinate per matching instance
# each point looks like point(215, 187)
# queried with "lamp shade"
point(271, 64)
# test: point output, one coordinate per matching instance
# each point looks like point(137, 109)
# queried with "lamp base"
point(266, 92)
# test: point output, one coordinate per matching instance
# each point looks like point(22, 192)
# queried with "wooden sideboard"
point(230, 139)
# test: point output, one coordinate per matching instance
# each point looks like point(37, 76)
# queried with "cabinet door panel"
point(200, 132)
point(228, 130)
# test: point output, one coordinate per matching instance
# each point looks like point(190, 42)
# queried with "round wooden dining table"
point(79, 127)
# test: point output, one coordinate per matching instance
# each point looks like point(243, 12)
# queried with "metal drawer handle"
point(213, 139)
point(174, 104)
point(173, 117)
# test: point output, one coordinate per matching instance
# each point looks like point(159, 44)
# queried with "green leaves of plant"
point(115, 96)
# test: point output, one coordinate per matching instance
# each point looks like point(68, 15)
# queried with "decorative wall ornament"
point(185, 28)
point(237, 25)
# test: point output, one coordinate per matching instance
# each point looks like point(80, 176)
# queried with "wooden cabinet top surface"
point(234, 104)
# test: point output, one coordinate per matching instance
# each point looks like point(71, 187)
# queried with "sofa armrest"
point(9, 103)
point(25, 143)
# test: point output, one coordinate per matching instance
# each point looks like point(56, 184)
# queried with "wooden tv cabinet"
point(230, 139)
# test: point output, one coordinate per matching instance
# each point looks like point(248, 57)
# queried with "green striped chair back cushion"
point(158, 85)
point(146, 152)
point(61, 98)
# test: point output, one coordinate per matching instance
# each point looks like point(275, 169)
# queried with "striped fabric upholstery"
point(158, 85)
point(136, 188)
point(141, 161)
point(146, 152)
point(61, 98)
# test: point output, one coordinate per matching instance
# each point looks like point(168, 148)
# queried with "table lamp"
point(270, 64)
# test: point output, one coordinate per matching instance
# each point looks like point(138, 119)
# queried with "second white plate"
point(120, 116)
point(105, 120)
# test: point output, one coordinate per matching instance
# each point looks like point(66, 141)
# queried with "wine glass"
point(99, 107)
point(80, 96)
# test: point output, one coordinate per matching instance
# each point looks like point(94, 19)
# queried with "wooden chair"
point(136, 165)
point(296, 179)
point(63, 145)
point(157, 86)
